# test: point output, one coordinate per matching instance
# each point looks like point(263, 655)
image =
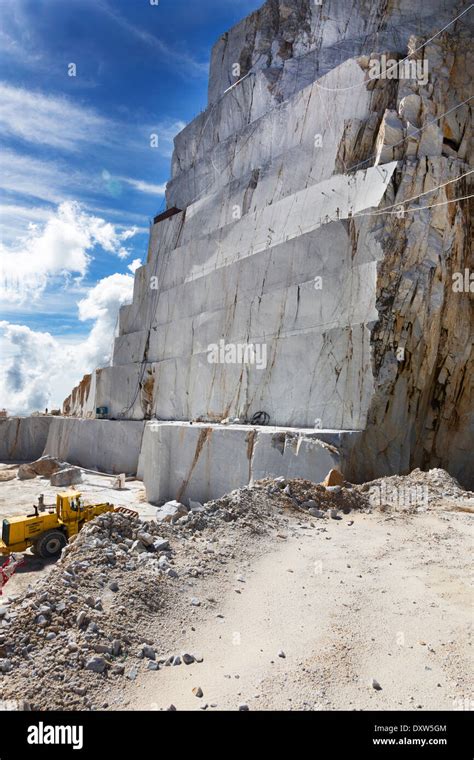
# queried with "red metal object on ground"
point(8, 568)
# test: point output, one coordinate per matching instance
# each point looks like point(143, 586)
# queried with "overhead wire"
point(416, 50)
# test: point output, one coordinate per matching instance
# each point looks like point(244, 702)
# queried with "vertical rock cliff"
point(313, 214)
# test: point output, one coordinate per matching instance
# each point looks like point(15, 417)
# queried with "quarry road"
point(321, 613)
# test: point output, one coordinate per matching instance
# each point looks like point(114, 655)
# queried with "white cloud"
point(145, 187)
point(42, 119)
point(49, 120)
point(39, 370)
point(123, 214)
point(31, 362)
point(27, 176)
point(45, 122)
point(102, 305)
point(61, 247)
point(15, 218)
point(54, 181)
point(18, 39)
point(136, 263)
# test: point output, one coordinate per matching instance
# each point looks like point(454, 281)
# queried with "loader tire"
point(50, 544)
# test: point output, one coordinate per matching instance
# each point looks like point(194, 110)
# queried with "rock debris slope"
point(311, 212)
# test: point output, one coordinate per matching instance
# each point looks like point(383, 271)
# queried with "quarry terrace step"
point(181, 460)
point(202, 461)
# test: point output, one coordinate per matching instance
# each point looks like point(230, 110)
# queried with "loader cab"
point(69, 505)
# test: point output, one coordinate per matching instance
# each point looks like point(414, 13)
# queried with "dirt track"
point(385, 598)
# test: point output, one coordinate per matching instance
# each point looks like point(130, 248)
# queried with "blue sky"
point(80, 179)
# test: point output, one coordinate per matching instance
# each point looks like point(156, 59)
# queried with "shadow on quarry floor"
point(26, 575)
point(33, 565)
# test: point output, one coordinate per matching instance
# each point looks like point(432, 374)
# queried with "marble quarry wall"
point(305, 268)
point(23, 438)
point(96, 444)
point(101, 445)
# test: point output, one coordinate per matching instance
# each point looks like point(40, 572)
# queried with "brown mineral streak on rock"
point(76, 400)
point(15, 442)
point(250, 439)
point(204, 436)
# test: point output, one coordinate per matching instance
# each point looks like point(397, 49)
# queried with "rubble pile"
point(254, 506)
point(7, 472)
point(317, 499)
point(86, 616)
point(417, 491)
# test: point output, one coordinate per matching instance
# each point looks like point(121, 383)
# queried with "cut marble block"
point(202, 462)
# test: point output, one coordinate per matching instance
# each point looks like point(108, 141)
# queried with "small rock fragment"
point(96, 664)
point(333, 478)
point(148, 652)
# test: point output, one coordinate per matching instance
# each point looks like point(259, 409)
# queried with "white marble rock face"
point(277, 243)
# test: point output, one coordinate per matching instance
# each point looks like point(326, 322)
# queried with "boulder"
point(67, 477)
point(316, 512)
point(26, 472)
point(45, 466)
point(171, 511)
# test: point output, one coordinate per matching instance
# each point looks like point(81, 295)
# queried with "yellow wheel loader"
point(48, 529)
